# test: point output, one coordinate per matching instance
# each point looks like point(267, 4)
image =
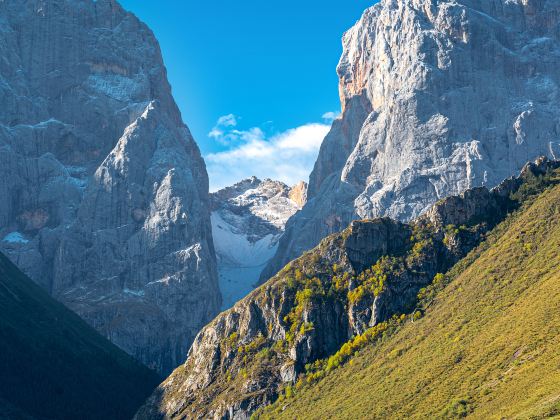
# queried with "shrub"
point(253, 346)
point(289, 391)
point(341, 283)
point(458, 408)
point(318, 369)
point(356, 295)
point(306, 327)
point(231, 341)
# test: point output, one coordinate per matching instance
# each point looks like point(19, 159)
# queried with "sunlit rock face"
point(437, 97)
point(248, 220)
point(104, 192)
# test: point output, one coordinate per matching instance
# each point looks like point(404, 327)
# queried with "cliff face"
point(348, 286)
point(248, 220)
point(106, 194)
point(437, 97)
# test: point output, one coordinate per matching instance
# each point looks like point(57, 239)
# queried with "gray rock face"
point(105, 194)
point(248, 219)
point(438, 96)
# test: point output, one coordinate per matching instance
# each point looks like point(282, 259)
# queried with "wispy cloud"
point(288, 156)
point(224, 123)
point(330, 116)
point(228, 120)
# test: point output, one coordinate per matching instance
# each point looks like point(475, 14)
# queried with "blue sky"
point(253, 78)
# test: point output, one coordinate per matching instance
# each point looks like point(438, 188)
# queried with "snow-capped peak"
point(248, 219)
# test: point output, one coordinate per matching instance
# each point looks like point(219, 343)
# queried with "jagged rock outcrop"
point(248, 219)
point(351, 282)
point(438, 96)
point(105, 194)
point(298, 194)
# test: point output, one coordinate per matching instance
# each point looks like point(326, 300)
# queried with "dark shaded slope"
point(53, 365)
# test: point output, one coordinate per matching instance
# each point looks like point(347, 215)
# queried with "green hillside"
point(54, 366)
point(484, 344)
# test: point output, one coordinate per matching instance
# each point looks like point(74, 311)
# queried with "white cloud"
point(228, 120)
point(288, 156)
point(224, 122)
point(330, 116)
point(215, 133)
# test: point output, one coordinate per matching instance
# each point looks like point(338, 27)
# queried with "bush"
point(356, 295)
point(306, 327)
point(231, 341)
point(372, 282)
point(458, 408)
point(318, 369)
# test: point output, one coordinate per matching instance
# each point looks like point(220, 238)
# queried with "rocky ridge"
point(248, 220)
point(438, 96)
point(346, 287)
point(481, 341)
point(105, 191)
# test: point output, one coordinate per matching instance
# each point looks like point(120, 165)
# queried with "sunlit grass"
point(487, 346)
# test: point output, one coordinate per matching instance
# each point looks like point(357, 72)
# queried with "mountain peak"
point(298, 193)
point(114, 217)
point(437, 97)
point(248, 219)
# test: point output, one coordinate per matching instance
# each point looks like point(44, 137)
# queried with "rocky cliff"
point(437, 96)
point(248, 219)
point(342, 292)
point(105, 192)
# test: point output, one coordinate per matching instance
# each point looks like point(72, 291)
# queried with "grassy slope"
point(54, 365)
point(487, 347)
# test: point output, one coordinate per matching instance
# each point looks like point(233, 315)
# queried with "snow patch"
point(236, 248)
point(15, 238)
point(41, 124)
point(114, 86)
point(240, 261)
point(237, 282)
point(139, 293)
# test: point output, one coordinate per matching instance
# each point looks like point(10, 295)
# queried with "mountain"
point(248, 219)
point(105, 194)
point(55, 366)
point(437, 97)
point(485, 347)
point(353, 289)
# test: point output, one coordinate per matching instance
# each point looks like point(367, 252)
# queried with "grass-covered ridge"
point(55, 366)
point(355, 290)
point(484, 341)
